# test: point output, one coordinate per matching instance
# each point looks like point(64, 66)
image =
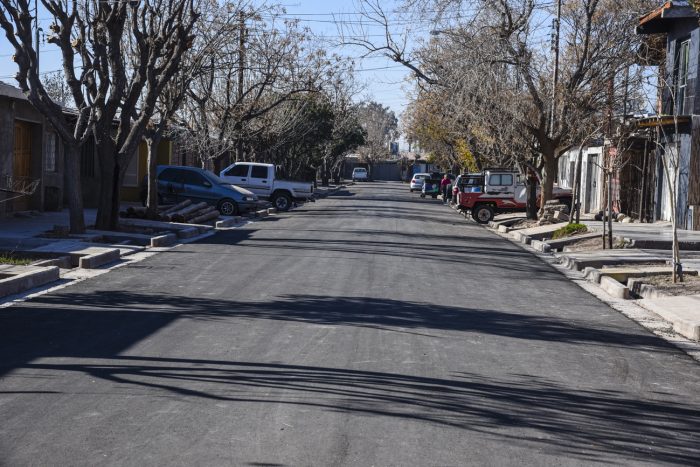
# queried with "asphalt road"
point(371, 328)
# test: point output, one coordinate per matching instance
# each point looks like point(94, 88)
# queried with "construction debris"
point(554, 212)
point(185, 211)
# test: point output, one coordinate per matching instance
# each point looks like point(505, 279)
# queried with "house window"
point(131, 177)
point(51, 150)
point(681, 69)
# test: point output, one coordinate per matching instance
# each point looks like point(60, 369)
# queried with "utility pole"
point(36, 32)
point(241, 67)
point(556, 26)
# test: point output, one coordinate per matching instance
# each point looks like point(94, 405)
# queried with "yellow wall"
point(132, 194)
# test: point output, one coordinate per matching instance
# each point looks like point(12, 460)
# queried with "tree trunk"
point(325, 179)
point(549, 173)
point(152, 185)
point(531, 197)
point(107, 219)
point(74, 191)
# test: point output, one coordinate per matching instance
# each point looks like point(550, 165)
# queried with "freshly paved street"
point(370, 328)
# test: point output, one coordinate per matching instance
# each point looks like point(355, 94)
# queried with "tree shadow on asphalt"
point(503, 257)
point(585, 424)
point(104, 323)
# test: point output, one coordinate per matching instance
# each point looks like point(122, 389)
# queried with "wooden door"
point(22, 166)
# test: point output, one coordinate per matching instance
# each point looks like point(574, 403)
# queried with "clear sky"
point(384, 80)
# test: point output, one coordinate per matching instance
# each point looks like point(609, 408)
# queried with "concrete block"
point(682, 312)
point(163, 240)
point(18, 279)
point(560, 216)
point(592, 274)
point(261, 213)
point(95, 260)
point(614, 288)
point(503, 228)
point(639, 288)
point(272, 210)
point(540, 245)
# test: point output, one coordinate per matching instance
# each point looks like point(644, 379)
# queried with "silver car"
point(417, 181)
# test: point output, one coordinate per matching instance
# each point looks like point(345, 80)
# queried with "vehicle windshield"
point(215, 178)
point(360, 170)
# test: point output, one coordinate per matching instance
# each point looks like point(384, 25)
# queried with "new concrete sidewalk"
point(657, 235)
point(33, 225)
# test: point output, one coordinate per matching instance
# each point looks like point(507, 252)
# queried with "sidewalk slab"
point(682, 312)
point(87, 257)
point(580, 260)
point(548, 245)
point(535, 233)
point(165, 226)
point(622, 274)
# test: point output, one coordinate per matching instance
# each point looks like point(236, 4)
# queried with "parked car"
point(177, 183)
point(501, 191)
point(359, 174)
point(466, 183)
point(416, 183)
point(262, 180)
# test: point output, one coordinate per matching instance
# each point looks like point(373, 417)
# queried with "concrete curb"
point(629, 308)
point(98, 259)
point(230, 222)
point(614, 288)
point(163, 240)
point(25, 281)
point(684, 321)
point(188, 232)
point(643, 290)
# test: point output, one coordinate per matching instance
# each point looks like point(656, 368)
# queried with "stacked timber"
point(184, 212)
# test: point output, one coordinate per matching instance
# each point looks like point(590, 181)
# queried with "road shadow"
point(104, 323)
point(583, 424)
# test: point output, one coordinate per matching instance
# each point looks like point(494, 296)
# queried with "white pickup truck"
point(261, 180)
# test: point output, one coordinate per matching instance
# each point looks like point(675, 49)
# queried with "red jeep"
point(501, 192)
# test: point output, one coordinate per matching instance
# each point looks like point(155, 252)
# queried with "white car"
point(359, 174)
point(417, 181)
point(262, 180)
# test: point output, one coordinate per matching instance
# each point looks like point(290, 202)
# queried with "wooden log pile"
point(184, 212)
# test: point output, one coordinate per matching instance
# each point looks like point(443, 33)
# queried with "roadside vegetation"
point(569, 230)
point(14, 260)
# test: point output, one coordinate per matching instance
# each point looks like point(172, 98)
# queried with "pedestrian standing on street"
point(445, 186)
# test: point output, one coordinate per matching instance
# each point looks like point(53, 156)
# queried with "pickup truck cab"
point(359, 174)
point(261, 180)
point(501, 191)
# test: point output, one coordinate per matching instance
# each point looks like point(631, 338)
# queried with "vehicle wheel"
point(227, 207)
point(282, 201)
point(483, 214)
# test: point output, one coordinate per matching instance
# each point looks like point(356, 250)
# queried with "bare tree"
point(381, 128)
point(117, 59)
point(509, 71)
